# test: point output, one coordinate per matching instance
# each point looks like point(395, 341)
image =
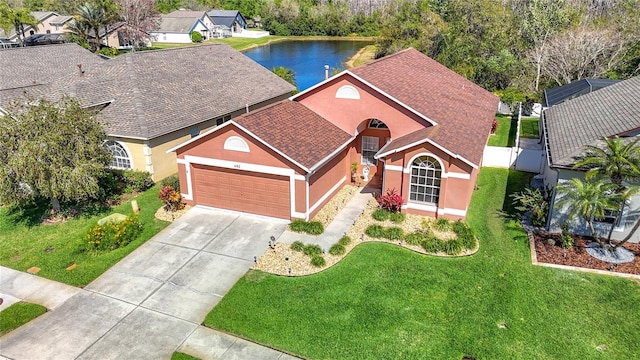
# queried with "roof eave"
point(427, 140)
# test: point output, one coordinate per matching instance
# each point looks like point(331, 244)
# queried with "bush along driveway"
point(383, 301)
point(55, 248)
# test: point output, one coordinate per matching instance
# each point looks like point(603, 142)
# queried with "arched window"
point(426, 174)
point(120, 156)
point(377, 124)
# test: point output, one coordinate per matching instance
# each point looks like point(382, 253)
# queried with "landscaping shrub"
point(397, 217)
point(173, 181)
point(452, 247)
point(309, 227)
point(494, 126)
point(566, 239)
point(109, 51)
point(393, 233)
point(318, 261)
point(442, 224)
point(432, 244)
point(391, 200)
point(375, 231)
point(415, 238)
point(465, 234)
point(111, 236)
point(196, 37)
point(136, 181)
point(172, 199)
point(344, 241)
point(381, 214)
point(337, 249)
point(297, 246)
point(535, 201)
point(312, 250)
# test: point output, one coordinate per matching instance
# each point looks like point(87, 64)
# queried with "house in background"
point(176, 27)
point(570, 91)
point(50, 23)
point(570, 126)
point(408, 122)
point(228, 22)
point(114, 37)
point(150, 101)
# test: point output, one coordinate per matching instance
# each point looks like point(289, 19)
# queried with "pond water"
point(306, 58)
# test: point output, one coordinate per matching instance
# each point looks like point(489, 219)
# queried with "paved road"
point(152, 301)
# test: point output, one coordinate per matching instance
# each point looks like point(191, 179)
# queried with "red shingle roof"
point(295, 130)
point(463, 110)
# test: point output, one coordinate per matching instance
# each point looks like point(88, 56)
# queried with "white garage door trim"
point(272, 170)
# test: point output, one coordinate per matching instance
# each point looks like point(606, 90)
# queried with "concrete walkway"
point(338, 227)
point(150, 303)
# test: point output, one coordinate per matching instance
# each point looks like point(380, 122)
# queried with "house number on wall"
point(237, 166)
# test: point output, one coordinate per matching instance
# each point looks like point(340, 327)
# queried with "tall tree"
point(140, 17)
point(17, 19)
point(52, 150)
point(587, 199)
point(97, 15)
point(541, 20)
point(286, 74)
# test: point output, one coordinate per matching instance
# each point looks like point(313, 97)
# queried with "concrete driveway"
point(153, 300)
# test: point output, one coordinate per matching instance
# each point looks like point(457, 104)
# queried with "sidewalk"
point(338, 227)
point(18, 286)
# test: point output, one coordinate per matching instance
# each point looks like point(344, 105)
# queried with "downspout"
point(545, 140)
point(306, 195)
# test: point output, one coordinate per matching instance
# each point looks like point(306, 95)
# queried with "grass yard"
point(529, 127)
point(505, 135)
point(26, 242)
point(182, 356)
point(19, 314)
point(386, 302)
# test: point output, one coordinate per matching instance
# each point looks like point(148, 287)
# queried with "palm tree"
point(589, 200)
point(618, 161)
point(94, 16)
point(18, 19)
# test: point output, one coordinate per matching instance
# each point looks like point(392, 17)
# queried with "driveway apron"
point(149, 303)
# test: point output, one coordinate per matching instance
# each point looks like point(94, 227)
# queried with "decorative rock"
point(620, 256)
point(113, 218)
point(72, 266)
point(33, 270)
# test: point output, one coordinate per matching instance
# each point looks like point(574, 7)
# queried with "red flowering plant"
point(494, 126)
point(172, 199)
point(390, 201)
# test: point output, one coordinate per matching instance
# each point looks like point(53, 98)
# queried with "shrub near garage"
point(111, 236)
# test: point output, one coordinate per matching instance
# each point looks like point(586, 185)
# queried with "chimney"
point(326, 72)
point(80, 71)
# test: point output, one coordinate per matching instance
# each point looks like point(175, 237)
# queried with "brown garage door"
point(244, 191)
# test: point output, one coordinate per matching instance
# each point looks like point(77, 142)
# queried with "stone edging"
point(534, 261)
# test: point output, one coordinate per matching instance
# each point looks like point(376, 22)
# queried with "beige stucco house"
point(150, 101)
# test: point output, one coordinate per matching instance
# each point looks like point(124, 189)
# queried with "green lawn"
point(19, 314)
point(26, 243)
point(529, 127)
point(386, 302)
point(505, 135)
point(182, 356)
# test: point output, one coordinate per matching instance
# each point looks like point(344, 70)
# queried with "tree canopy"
point(52, 150)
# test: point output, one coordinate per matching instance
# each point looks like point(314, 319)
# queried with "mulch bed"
point(577, 256)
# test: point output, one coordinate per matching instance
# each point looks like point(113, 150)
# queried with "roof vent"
point(80, 71)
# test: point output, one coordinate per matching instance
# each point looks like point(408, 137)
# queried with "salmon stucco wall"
point(456, 185)
point(332, 175)
point(212, 146)
point(348, 114)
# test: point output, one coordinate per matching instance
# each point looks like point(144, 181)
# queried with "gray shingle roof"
point(176, 25)
point(585, 120)
point(42, 64)
point(577, 88)
point(158, 92)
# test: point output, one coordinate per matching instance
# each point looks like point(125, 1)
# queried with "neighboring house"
point(114, 37)
point(150, 100)
point(227, 22)
point(572, 125)
point(570, 91)
point(176, 27)
point(50, 23)
point(409, 123)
